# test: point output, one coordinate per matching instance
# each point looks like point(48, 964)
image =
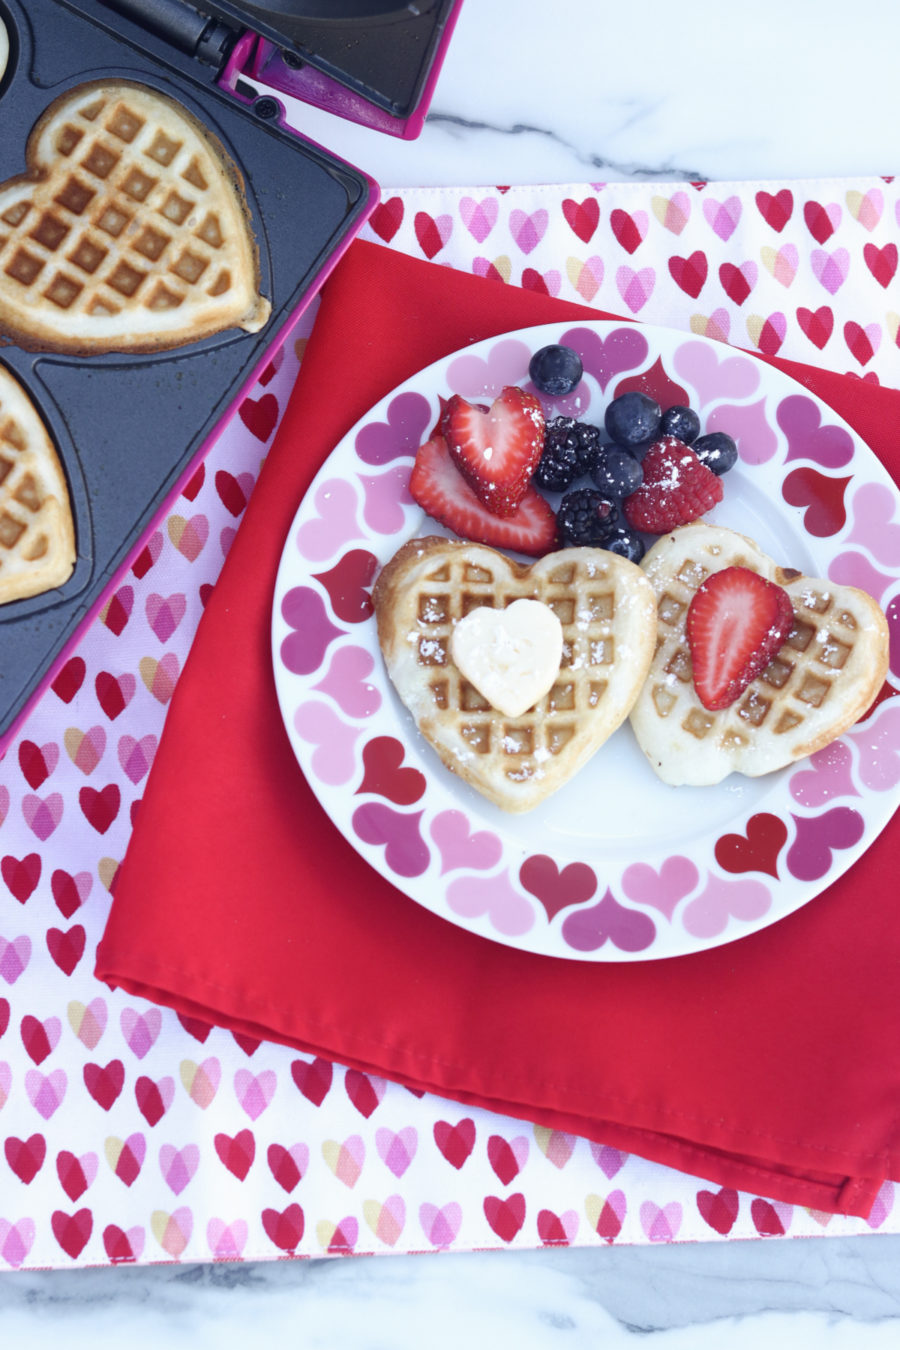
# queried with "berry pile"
point(646, 471)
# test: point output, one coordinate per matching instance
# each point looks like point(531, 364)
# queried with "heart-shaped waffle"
point(606, 609)
point(825, 676)
point(129, 231)
point(37, 534)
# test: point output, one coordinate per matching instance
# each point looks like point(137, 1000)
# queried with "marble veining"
point(539, 94)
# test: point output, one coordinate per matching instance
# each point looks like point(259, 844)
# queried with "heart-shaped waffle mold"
point(825, 676)
point(606, 609)
point(37, 534)
point(129, 231)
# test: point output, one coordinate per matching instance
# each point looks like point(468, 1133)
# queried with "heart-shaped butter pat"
point(510, 655)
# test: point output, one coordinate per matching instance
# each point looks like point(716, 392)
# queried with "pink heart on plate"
point(405, 851)
point(335, 525)
point(347, 684)
point(829, 774)
point(714, 376)
point(873, 508)
point(476, 377)
point(750, 428)
point(333, 760)
point(663, 889)
point(461, 847)
point(708, 915)
point(507, 910)
point(878, 744)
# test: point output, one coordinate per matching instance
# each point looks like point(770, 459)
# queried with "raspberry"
point(677, 488)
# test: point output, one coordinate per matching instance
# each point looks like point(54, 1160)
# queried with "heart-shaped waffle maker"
point(825, 676)
point(607, 612)
point(37, 534)
point(129, 231)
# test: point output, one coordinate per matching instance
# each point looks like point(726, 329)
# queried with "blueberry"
point(586, 518)
point(555, 370)
point(626, 543)
point(716, 450)
point(681, 422)
point(617, 472)
point(633, 417)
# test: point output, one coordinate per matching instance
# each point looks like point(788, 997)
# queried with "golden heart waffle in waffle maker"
point(162, 228)
point(606, 609)
point(825, 676)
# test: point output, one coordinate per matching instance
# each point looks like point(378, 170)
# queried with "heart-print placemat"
point(130, 1134)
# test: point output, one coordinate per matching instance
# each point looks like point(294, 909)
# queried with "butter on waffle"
point(606, 609)
point(129, 230)
point(37, 534)
point(825, 676)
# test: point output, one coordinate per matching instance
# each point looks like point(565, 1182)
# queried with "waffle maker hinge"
point(186, 28)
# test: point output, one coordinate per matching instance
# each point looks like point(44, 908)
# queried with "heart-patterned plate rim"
point(615, 866)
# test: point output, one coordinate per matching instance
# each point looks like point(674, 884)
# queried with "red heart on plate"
point(348, 584)
point(384, 774)
point(557, 889)
point(757, 850)
point(822, 496)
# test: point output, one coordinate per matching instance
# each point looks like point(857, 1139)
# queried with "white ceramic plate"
point(615, 866)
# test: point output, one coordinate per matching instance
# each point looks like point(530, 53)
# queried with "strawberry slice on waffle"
point(735, 625)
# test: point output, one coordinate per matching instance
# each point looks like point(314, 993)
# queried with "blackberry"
point(633, 417)
point(586, 518)
point(717, 450)
point(555, 370)
point(569, 451)
point(681, 422)
point(616, 471)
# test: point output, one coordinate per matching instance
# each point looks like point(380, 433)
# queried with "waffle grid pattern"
point(36, 531)
point(797, 682)
point(584, 605)
point(130, 219)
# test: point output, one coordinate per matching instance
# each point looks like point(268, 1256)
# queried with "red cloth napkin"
point(769, 1065)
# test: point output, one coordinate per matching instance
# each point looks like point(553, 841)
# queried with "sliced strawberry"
point(676, 488)
point(736, 623)
point(440, 489)
point(496, 449)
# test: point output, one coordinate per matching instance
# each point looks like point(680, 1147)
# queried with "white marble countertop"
point(533, 93)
